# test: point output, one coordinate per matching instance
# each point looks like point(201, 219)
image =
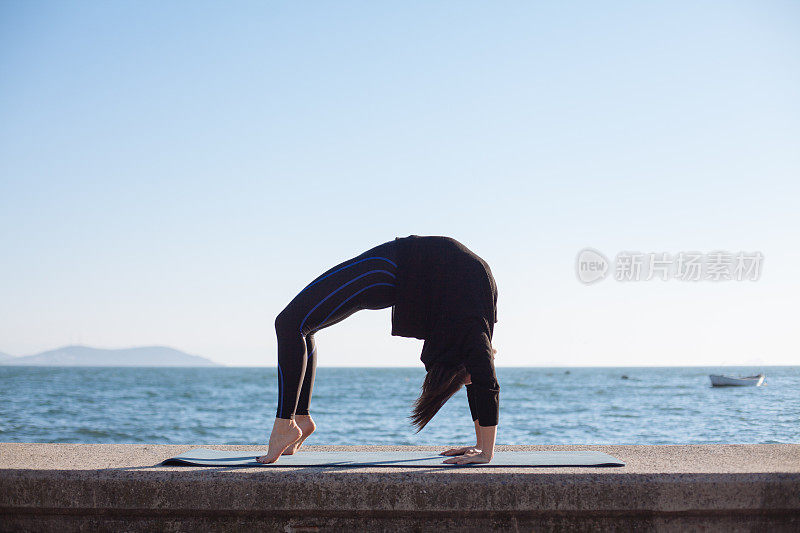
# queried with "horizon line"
point(221, 365)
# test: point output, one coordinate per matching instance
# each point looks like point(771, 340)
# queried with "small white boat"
point(718, 380)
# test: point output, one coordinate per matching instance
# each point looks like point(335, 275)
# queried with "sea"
point(227, 405)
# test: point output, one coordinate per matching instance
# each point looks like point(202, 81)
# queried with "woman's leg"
point(302, 417)
point(364, 282)
point(304, 402)
point(292, 360)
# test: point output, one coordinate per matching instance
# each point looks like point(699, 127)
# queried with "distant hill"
point(5, 356)
point(87, 356)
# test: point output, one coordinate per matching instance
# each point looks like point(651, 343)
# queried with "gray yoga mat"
point(207, 457)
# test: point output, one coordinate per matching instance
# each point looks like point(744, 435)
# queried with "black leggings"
point(366, 281)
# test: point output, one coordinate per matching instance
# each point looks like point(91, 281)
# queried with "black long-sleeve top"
point(446, 295)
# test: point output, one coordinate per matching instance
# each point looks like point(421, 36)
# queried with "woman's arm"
point(483, 392)
point(483, 395)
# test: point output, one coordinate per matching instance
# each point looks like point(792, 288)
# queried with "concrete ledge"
point(111, 487)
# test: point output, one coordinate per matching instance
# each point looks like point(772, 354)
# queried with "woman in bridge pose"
point(440, 292)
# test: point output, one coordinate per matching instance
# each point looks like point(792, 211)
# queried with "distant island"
point(88, 356)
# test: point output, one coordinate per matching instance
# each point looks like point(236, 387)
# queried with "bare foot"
point(284, 434)
point(307, 426)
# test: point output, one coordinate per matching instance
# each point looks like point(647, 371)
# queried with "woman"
point(440, 292)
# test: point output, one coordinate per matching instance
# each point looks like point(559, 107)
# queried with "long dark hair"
point(441, 382)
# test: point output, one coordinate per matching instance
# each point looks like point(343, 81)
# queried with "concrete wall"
point(116, 487)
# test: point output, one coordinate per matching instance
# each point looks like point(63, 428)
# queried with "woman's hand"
point(461, 451)
point(469, 458)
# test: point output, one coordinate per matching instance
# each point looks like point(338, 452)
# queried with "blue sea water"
point(370, 406)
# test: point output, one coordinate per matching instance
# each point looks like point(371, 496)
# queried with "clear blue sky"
point(173, 173)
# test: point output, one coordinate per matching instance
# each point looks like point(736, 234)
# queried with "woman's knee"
point(287, 321)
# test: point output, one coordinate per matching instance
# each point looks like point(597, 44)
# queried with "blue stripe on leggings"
point(346, 266)
point(303, 323)
point(353, 296)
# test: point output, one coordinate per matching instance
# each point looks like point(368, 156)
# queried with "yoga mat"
point(207, 457)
